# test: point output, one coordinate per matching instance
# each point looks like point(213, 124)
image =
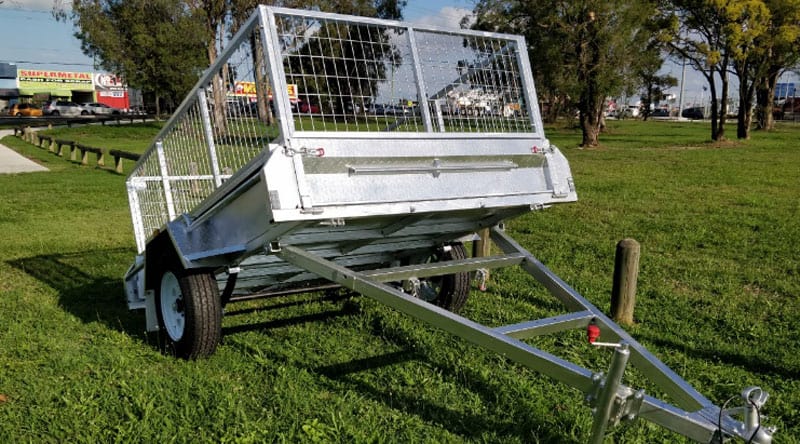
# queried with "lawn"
point(717, 301)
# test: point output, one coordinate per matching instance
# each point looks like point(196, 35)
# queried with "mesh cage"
point(223, 124)
point(372, 76)
point(287, 73)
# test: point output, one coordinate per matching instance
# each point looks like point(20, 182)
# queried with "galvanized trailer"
point(323, 150)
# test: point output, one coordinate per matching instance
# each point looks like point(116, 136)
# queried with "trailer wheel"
point(451, 290)
point(189, 313)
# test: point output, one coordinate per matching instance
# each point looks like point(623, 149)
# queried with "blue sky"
point(40, 42)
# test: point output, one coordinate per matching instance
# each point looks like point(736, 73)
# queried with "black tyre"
point(451, 290)
point(56, 113)
point(84, 113)
point(189, 313)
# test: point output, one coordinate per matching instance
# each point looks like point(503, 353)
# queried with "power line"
point(30, 62)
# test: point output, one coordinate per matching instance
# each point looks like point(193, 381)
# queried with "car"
point(24, 110)
point(788, 110)
point(101, 109)
point(695, 113)
point(377, 109)
point(308, 108)
point(659, 112)
point(63, 108)
point(631, 111)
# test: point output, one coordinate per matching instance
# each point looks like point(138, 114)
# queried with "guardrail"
point(56, 146)
point(69, 121)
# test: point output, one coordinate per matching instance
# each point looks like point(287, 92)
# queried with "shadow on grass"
point(754, 364)
point(343, 376)
point(279, 323)
point(89, 297)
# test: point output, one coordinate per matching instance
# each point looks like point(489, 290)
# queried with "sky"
point(41, 42)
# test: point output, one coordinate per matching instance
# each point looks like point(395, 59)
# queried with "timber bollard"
point(626, 273)
point(482, 247)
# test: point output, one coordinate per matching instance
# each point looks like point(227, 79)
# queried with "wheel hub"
point(172, 306)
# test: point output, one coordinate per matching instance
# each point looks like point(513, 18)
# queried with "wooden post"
point(118, 164)
point(483, 246)
point(626, 273)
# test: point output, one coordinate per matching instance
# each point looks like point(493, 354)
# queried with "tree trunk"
point(723, 100)
point(262, 83)
point(714, 105)
point(764, 97)
point(591, 132)
point(218, 91)
point(591, 98)
point(745, 116)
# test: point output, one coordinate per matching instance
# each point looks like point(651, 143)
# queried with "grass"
point(134, 138)
point(718, 288)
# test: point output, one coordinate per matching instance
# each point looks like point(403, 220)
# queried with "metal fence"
point(285, 74)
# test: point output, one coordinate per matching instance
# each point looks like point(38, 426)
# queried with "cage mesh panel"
point(349, 76)
point(360, 77)
point(240, 128)
point(473, 83)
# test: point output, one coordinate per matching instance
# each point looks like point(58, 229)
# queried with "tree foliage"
point(780, 51)
point(155, 45)
point(161, 46)
point(582, 50)
point(747, 32)
point(699, 38)
point(756, 39)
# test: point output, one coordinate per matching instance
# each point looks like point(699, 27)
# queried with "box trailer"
point(237, 202)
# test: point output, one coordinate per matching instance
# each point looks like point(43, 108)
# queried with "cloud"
point(448, 17)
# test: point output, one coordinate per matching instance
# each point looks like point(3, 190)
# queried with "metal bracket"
point(626, 404)
point(307, 152)
point(611, 396)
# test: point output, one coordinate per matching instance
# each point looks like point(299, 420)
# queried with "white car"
point(628, 111)
point(63, 108)
point(101, 109)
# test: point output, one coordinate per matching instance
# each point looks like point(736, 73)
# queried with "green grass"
point(134, 138)
point(717, 301)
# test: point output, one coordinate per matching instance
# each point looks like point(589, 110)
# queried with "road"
point(12, 162)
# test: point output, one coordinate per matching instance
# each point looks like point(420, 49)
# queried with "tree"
point(746, 29)
point(699, 37)
point(587, 49)
point(781, 49)
point(653, 87)
point(650, 83)
point(153, 45)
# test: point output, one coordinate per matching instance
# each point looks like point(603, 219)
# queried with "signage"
point(248, 89)
point(53, 83)
point(61, 77)
point(108, 82)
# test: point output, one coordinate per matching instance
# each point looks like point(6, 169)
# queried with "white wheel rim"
point(172, 306)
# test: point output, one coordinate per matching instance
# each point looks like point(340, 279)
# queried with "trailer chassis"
point(611, 401)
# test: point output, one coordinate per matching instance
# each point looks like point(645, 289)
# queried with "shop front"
point(111, 91)
point(40, 86)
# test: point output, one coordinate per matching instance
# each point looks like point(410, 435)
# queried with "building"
point(8, 84)
point(39, 86)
